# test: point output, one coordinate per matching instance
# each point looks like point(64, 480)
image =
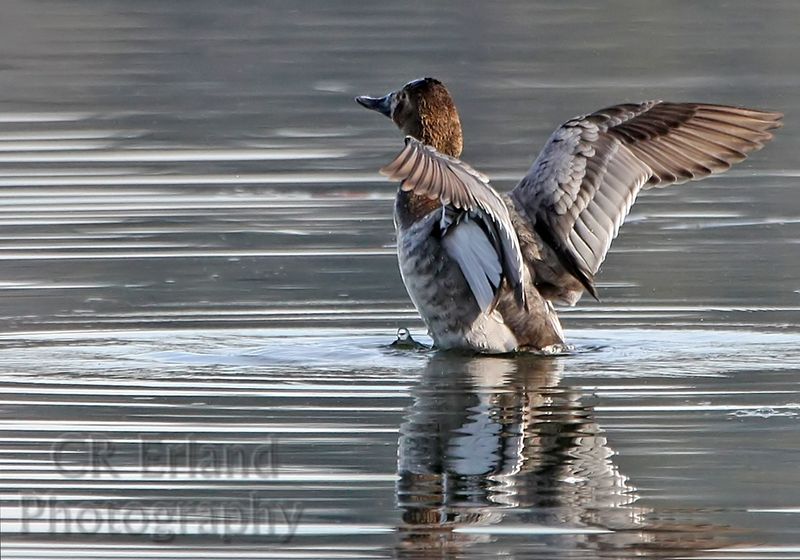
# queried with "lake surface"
point(199, 291)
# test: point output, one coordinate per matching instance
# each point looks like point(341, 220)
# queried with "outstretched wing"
point(583, 183)
point(476, 228)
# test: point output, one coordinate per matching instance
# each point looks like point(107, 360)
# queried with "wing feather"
point(476, 256)
point(586, 178)
point(477, 229)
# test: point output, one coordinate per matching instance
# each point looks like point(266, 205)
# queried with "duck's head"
point(423, 109)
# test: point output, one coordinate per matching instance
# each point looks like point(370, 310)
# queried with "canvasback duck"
point(485, 269)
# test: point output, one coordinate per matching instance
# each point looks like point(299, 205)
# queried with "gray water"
point(199, 290)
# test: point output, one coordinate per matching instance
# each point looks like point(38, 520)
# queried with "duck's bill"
point(383, 105)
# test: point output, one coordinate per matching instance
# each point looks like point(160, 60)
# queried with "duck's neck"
point(448, 142)
point(442, 131)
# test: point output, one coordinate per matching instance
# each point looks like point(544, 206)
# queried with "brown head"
point(423, 109)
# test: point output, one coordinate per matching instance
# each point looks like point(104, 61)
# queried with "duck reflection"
point(490, 440)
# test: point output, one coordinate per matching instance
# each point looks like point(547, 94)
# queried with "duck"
point(485, 270)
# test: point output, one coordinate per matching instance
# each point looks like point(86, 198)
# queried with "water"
point(199, 291)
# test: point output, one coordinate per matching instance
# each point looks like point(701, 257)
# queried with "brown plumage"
point(547, 238)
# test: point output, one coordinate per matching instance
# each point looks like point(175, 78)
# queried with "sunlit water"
point(199, 292)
